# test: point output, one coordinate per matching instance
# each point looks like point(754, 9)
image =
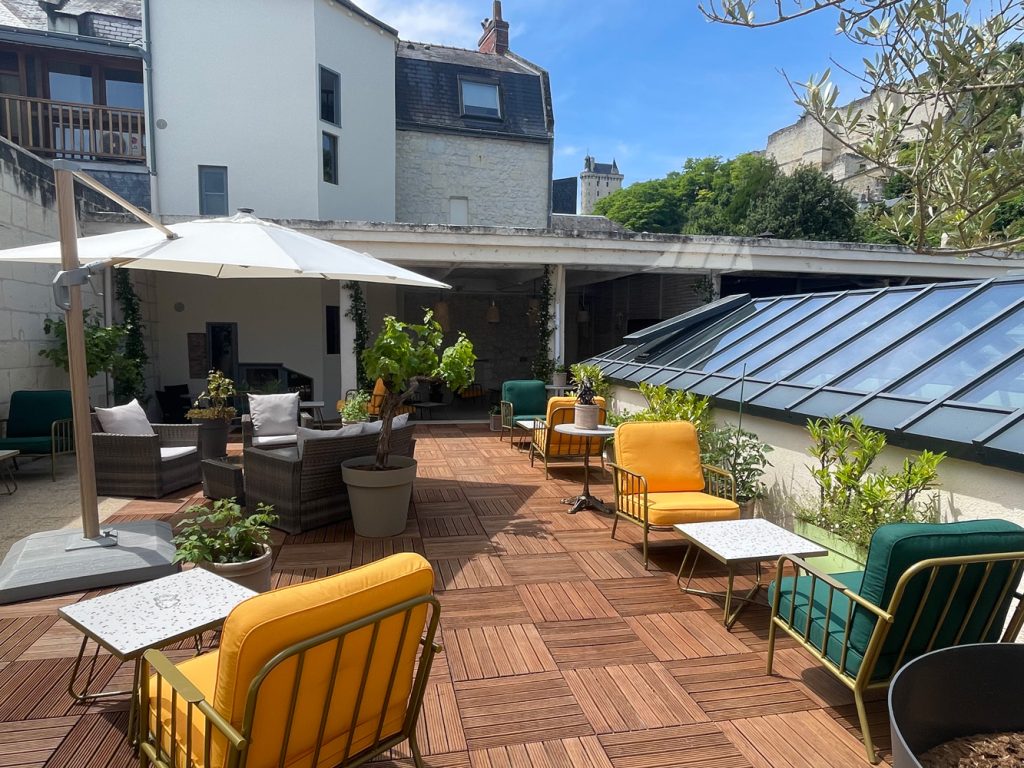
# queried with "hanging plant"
point(356, 312)
point(130, 372)
point(543, 366)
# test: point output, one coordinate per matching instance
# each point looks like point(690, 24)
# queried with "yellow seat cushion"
point(202, 673)
point(666, 453)
point(689, 507)
point(558, 444)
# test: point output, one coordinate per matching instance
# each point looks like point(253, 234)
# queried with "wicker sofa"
point(132, 465)
point(309, 492)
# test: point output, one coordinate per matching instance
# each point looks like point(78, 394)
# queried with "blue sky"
point(647, 82)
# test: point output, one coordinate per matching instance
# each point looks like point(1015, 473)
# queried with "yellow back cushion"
point(560, 444)
point(664, 452)
point(261, 627)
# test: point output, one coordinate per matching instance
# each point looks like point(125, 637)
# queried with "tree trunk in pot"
point(379, 497)
point(254, 574)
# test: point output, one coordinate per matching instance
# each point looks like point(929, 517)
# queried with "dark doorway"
point(222, 342)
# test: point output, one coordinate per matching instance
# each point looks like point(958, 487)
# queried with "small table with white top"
point(153, 614)
point(585, 500)
point(526, 424)
point(558, 390)
point(733, 543)
point(315, 408)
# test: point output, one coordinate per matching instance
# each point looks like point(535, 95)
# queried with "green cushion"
point(26, 444)
point(33, 412)
point(527, 396)
point(836, 620)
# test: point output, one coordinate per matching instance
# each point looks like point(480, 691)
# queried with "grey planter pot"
point(495, 422)
point(213, 438)
point(379, 500)
point(559, 379)
point(254, 574)
point(954, 692)
point(585, 416)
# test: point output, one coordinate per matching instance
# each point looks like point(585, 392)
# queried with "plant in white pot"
point(561, 375)
point(213, 414)
point(403, 356)
point(587, 410)
point(225, 540)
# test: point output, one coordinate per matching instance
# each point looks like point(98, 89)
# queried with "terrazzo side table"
point(153, 614)
point(733, 543)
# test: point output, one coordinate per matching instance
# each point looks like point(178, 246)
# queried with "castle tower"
point(597, 180)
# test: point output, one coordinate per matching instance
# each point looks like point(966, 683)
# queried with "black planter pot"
point(213, 438)
point(961, 691)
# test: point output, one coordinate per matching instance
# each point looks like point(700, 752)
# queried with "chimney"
point(495, 36)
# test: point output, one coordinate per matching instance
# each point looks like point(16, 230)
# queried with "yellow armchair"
point(659, 479)
point(325, 673)
point(554, 446)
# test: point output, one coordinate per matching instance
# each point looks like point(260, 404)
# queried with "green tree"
point(805, 205)
point(945, 81)
point(647, 206)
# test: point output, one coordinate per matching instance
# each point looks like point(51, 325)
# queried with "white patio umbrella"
point(240, 246)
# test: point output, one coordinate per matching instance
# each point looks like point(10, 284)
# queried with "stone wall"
point(506, 183)
point(132, 185)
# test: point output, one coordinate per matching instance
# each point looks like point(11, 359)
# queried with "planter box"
point(843, 555)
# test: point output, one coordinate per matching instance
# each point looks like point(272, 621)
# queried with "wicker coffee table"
point(224, 478)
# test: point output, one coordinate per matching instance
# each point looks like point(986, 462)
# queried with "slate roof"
point(122, 9)
point(936, 366)
point(604, 168)
point(28, 13)
point(427, 92)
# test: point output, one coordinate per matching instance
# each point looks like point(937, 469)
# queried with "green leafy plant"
point(854, 500)
point(594, 375)
point(585, 392)
point(561, 368)
point(130, 370)
point(356, 312)
point(664, 404)
point(355, 407)
point(403, 356)
point(543, 365)
point(495, 410)
point(743, 454)
point(223, 533)
point(212, 403)
point(103, 345)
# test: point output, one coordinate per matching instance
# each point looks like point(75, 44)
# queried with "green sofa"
point(521, 399)
point(923, 587)
point(39, 423)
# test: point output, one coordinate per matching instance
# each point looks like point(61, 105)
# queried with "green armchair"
point(521, 399)
point(924, 587)
point(39, 423)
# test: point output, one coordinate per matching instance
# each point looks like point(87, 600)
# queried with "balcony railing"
point(73, 131)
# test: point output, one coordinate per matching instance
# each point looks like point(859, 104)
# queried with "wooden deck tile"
point(631, 697)
point(561, 520)
point(496, 506)
point(688, 635)
point(702, 745)
point(436, 492)
point(432, 508)
point(477, 653)
point(553, 567)
point(450, 525)
point(569, 601)
point(368, 550)
point(17, 635)
point(525, 541)
point(446, 547)
point(518, 710)
point(482, 607)
point(593, 643)
point(798, 739)
point(95, 741)
point(302, 556)
point(639, 596)
point(31, 742)
point(440, 730)
point(470, 573)
point(612, 564)
point(584, 752)
point(588, 541)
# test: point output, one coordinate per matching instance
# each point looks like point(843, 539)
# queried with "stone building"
point(597, 180)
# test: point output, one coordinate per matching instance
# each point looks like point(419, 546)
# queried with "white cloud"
point(446, 22)
point(568, 150)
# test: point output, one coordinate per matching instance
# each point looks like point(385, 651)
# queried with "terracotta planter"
point(559, 379)
point(213, 438)
point(843, 556)
point(586, 416)
point(254, 574)
point(495, 422)
point(379, 499)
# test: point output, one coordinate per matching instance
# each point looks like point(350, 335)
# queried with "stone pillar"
point(347, 358)
point(557, 344)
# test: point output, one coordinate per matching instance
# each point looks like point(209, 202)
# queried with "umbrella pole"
point(65, 185)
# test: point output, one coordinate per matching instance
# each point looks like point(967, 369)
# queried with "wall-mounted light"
point(493, 313)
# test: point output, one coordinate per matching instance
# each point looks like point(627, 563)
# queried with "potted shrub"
point(853, 499)
point(495, 414)
point(742, 453)
point(213, 414)
point(225, 540)
point(594, 375)
point(355, 408)
point(561, 375)
point(587, 412)
point(403, 356)
point(664, 404)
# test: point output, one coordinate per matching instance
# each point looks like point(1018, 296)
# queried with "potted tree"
point(495, 416)
point(224, 540)
point(561, 375)
point(213, 414)
point(355, 408)
point(403, 356)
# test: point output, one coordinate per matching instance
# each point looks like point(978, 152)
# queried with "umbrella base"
point(54, 562)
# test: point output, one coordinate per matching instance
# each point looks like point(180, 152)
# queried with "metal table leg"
point(729, 614)
point(585, 500)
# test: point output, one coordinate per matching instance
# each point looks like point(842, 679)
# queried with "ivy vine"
point(543, 365)
point(356, 312)
point(130, 375)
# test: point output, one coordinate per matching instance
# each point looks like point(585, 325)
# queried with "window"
point(70, 82)
point(330, 96)
point(480, 99)
point(213, 190)
point(123, 88)
point(330, 148)
point(458, 211)
point(333, 329)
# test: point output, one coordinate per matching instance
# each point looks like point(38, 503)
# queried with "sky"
point(647, 83)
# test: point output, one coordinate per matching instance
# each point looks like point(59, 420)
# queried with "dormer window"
point(480, 99)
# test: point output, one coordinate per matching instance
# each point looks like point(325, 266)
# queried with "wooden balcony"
point(560, 649)
point(73, 131)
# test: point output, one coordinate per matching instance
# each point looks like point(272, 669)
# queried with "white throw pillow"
point(372, 427)
point(305, 434)
point(274, 414)
point(400, 421)
point(127, 419)
point(352, 430)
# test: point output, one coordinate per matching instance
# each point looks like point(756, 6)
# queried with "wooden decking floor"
point(560, 649)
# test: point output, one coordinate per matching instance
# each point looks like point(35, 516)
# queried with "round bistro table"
point(585, 500)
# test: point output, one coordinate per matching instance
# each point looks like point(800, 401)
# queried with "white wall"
point(968, 490)
point(506, 182)
point(237, 83)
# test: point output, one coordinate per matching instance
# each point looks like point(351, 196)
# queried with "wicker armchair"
point(305, 420)
point(309, 492)
point(132, 465)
